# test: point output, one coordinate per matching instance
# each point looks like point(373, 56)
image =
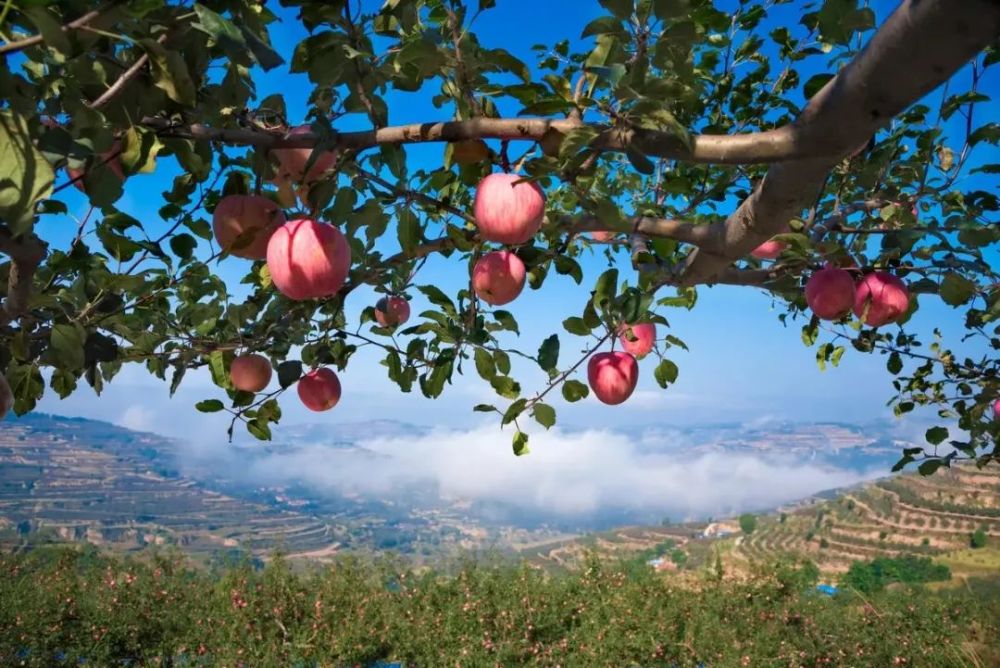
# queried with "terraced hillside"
point(904, 514)
point(78, 480)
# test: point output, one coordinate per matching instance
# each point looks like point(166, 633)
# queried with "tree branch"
point(20, 45)
point(123, 80)
point(919, 46)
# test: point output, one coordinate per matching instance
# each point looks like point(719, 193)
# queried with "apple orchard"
point(841, 160)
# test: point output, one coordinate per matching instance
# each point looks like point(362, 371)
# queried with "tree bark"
point(918, 47)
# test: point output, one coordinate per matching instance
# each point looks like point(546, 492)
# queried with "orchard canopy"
point(843, 160)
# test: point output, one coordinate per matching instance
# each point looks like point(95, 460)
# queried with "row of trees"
point(686, 136)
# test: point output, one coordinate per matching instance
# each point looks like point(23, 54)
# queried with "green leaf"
point(484, 408)
point(484, 364)
point(49, 27)
point(520, 444)
point(936, 435)
point(894, 364)
point(602, 25)
point(815, 83)
point(620, 8)
point(606, 288)
point(217, 366)
point(505, 386)
point(665, 373)
point(408, 230)
point(210, 406)
point(544, 415)
point(956, 289)
point(548, 353)
point(289, 372)
point(26, 177)
point(929, 467)
point(642, 164)
point(259, 429)
point(170, 73)
point(574, 390)
point(576, 326)
point(67, 341)
point(183, 245)
point(514, 410)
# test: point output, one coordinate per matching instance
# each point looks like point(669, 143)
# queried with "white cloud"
point(567, 474)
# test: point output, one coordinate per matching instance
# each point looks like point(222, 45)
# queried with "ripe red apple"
point(884, 296)
point(292, 161)
point(768, 250)
point(498, 277)
point(114, 164)
point(250, 373)
point(308, 259)
point(6, 397)
point(507, 213)
point(612, 376)
point(252, 216)
point(996, 409)
point(643, 335)
point(830, 293)
point(392, 311)
point(602, 236)
point(319, 389)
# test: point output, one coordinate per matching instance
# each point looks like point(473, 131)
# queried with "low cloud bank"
point(570, 475)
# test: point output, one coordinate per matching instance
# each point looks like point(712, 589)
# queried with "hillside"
point(80, 480)
point(900, 515)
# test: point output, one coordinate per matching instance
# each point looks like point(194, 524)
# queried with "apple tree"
point(692, 143)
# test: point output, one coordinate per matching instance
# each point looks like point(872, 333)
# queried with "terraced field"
point(906, 514)
point(70, 480)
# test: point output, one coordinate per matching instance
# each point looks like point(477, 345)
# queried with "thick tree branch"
point(760, 147)
point(20, 45)
point(920, 45)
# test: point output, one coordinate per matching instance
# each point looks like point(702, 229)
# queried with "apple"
point(996, 409)
point(6, 397)
point(830, 293)
point(881, 298)
point(602, 235)
point(498, 277)
point(643, 338)
point(308, 259)
point(613, 376)
point(250, 218)
point(292, 161)
point(319, 389)
point(392, 311)
point(250, 373)
point(508, 212)
point(768, 250)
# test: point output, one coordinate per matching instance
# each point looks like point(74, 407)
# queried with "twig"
point(20, 45)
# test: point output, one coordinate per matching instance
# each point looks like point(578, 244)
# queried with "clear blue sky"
point(743, 363)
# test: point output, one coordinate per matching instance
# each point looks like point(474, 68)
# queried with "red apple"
point(996, 409)
point(308, 259)
point(508, 212)
point(643, 338)
point(6, 397)
point(768, 250)
point(292, 161)
point(883, 296)
point(602, 236)
point(319, 389)
point(252, 217)
point(250, 373)
point(830, 293)
point(392, 311)
point(498, 277)
point(613, 376)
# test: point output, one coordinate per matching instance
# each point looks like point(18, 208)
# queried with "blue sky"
point(743, 363)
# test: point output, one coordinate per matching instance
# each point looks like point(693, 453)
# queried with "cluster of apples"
point(510, 211)
point(879, 298)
